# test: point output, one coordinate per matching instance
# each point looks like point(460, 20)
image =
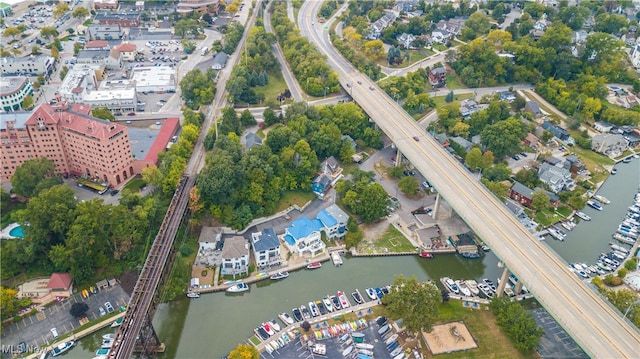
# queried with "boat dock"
point(254, 278)
point(312, 321)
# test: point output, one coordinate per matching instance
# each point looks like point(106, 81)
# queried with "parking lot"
point(555, 343)
point(35, 330)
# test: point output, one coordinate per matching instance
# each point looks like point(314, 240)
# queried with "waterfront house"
point(304, 237)
point(334, 221)
point(209, 237)
point(235, 256)
point(558, 179)
point(612, 145)
point(573, 164)
point(266, 248)
point(521, 193)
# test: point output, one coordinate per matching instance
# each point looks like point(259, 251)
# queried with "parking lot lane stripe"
point(72, 326)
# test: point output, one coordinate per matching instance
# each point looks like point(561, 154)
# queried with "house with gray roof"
point(462, 143)
point(252, 140)
point(521, 193)
point(334, 220)
point(602, 127)
point(612, 145)
point(235, 256)
point(533, 108)
point(557, 131)
point(219, 61)
point(331, 168)
point(209, 236)
point(558, 179)
point(266, 248)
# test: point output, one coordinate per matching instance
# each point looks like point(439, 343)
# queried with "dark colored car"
point(131, 114)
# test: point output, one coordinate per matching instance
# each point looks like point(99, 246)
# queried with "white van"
point(54, 332)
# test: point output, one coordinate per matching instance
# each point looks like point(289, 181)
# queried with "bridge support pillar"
point(398, 158)
point(441, 209)
point(503, 282)
point(148, 341)
point(518, 287)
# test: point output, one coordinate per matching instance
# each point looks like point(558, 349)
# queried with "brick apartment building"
point(77, 143)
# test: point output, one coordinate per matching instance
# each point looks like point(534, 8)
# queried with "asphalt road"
point(599, 329)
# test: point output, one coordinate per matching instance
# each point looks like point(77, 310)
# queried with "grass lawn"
point(414, 56)
point(453, 82)
point(439, 47)
point(492, 342)
point(391, 241)
point(295, 197)
point(548, 216)
point(135, 185)
point(594, 162)
point(439, 100)
point(271, 90)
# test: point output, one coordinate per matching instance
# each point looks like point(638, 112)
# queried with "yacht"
point(601, 199)
point(314, 309)
point(463, 288)
point(62, 348)
point(595, 205)
point(451, 285)
point(238, 288)
point(473, 286)
point(327, 303)
point(583, 216)
point(371, 293)
point(286, 318)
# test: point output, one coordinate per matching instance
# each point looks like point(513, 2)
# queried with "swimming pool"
point(17, 232)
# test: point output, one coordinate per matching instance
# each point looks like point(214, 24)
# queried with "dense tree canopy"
point(519, 324)
point(413, 302)
point(197, 88)
point(34, 176)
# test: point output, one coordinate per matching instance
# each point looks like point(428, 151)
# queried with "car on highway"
point(109, 307)
point(371, 88)
point(359, 82)
point(416, 138)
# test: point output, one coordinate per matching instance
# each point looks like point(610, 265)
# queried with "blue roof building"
point(304, 236)
point(334, 220)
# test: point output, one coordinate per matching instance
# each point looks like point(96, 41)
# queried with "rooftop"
point(60, 280)
point(11, 84)
point(18, 118)
point(117, 16)
point(168, 129)
point(265, 240)
point(153, 76)
point(235, 247)
point(303, 226)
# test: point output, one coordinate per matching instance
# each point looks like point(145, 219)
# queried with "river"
point(214, 324)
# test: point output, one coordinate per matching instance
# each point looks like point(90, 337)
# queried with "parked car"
point(54, 332)
point(102, 311)
point(109, 307)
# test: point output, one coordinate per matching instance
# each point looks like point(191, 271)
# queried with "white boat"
point(106, 343)
point(463, 288)
point(583, 274)
point(306, 314)
point(623, 238)
point(62, 348)
point(347, 351)
point(583, 216)
point(485, 290)
point(451, 285)
point(336, 302)
point(391, 339)
point(371, 293)
point(364, 346)
point(473, 286)
point(335, 258)
point(109, 336)
point(238, 288)
point(555, 233)
point(603, 266)
point(274, 325)
point(116, 323)
point(268, 348)
point(286, 318)
point(508, 291)
point(314, 309)
point(594, 205)
point(327, 303)
point(619, 248)
point(280, 275)
point(344, 301)
point(193, 295)
point(489, 284)
point(601, 199)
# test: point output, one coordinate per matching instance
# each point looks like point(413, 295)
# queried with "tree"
point(416, 303)
point(79, 309)
point(48, 32)
point(503, 137)
point(80, 12)
point(519, 324)
point(11, 31)
point(244, 351)
point(55, 53)
point(27, 102)
point(8, 302)
point(197, 88)
point(474, 158)
point(32, 177)
point(540, 200)
point(408, 185)
point(35, 50)
point(60, 10)
point(103, 113)
point(477, 25)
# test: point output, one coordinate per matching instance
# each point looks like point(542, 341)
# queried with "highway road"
point(292, 82)
point(593, 323)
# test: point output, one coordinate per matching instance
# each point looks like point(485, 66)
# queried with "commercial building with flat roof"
point(13, 90)
point(154, 78)
point(105, 32)
point(75, 141)
point(122, 19)
point(5, 9)
point(79, 80)
point(111, 59)
point(27, 66)
point(104, 4)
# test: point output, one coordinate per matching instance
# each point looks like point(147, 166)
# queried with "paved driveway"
point(35, 330)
